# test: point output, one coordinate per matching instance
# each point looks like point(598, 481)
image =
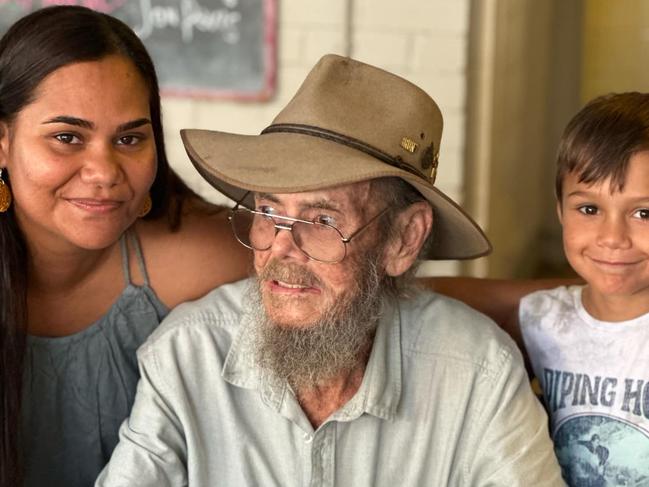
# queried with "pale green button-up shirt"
point(444, 401)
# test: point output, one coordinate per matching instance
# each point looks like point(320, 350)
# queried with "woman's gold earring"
point(5, 195)
point(146, 206)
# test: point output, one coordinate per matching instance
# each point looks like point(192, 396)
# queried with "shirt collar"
point(380, 389)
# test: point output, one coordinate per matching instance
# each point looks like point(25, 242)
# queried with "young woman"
point(100, 239)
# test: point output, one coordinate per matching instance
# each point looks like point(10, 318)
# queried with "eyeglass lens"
point(318, 241)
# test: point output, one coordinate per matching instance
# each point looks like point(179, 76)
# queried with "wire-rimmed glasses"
point(319, 241)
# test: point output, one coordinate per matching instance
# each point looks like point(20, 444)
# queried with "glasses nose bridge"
point(283, 226)
point(287, 223)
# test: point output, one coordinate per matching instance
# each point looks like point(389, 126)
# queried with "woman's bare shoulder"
point(200, 255)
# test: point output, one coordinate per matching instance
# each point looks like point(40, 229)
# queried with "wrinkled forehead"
point(347, 198)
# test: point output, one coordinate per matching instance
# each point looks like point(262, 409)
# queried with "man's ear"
point(413, 225)
point(560, 212)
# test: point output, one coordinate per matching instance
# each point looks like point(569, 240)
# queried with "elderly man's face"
point(296, 290)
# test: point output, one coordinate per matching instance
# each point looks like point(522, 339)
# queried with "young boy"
point(589, 345)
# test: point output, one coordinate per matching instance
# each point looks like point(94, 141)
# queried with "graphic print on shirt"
point(605, 446)
point(601, 451)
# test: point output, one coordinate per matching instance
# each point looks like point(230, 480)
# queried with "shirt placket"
point(323, 453)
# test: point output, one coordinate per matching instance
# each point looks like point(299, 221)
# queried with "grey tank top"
point(78, 389)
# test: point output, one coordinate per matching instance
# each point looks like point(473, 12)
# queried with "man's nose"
point(284, 245)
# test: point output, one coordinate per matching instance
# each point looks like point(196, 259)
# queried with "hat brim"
point(235, 164)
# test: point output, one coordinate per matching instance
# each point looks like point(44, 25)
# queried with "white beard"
point(336, 343)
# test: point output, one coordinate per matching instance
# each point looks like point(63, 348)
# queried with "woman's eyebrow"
point(69, 120)
point(86, 124)
point(133, 124)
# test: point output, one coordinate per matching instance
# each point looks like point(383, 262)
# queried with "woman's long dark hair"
point(32, 48)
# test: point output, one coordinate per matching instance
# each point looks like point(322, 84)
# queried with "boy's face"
point(606, 241)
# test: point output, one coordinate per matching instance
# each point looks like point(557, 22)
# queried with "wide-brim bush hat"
point(348, 122)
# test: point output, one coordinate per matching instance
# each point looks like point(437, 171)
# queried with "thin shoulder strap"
point(138, 254)
point(125, 264)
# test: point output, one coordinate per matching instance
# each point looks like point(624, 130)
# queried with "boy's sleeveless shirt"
point(595, 380)
point(78, 389)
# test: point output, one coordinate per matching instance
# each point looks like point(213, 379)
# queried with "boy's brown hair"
point(599, 141)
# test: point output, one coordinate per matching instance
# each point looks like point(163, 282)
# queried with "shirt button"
point(308, 438)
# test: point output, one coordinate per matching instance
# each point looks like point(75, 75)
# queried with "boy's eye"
point(588, 209)
point(67, 138)
point(642, 214)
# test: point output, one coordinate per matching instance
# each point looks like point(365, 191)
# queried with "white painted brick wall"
point(439, 55)
point(319, 42)
point(423, 41)
point(391, 50)
point(307, 12)
point(292, 39)
point(443, 16)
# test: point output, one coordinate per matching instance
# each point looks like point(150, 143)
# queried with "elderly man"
point(327, 368)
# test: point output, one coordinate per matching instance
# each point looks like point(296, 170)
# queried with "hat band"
point(344, 140)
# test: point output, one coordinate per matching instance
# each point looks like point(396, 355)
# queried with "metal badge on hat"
point(429, 160)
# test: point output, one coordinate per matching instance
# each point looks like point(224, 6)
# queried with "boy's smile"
point(606, 240)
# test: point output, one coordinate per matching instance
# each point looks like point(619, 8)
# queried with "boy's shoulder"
point(562, 299)
point(552, 318)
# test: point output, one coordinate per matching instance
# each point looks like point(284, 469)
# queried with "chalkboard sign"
point(209, 48)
